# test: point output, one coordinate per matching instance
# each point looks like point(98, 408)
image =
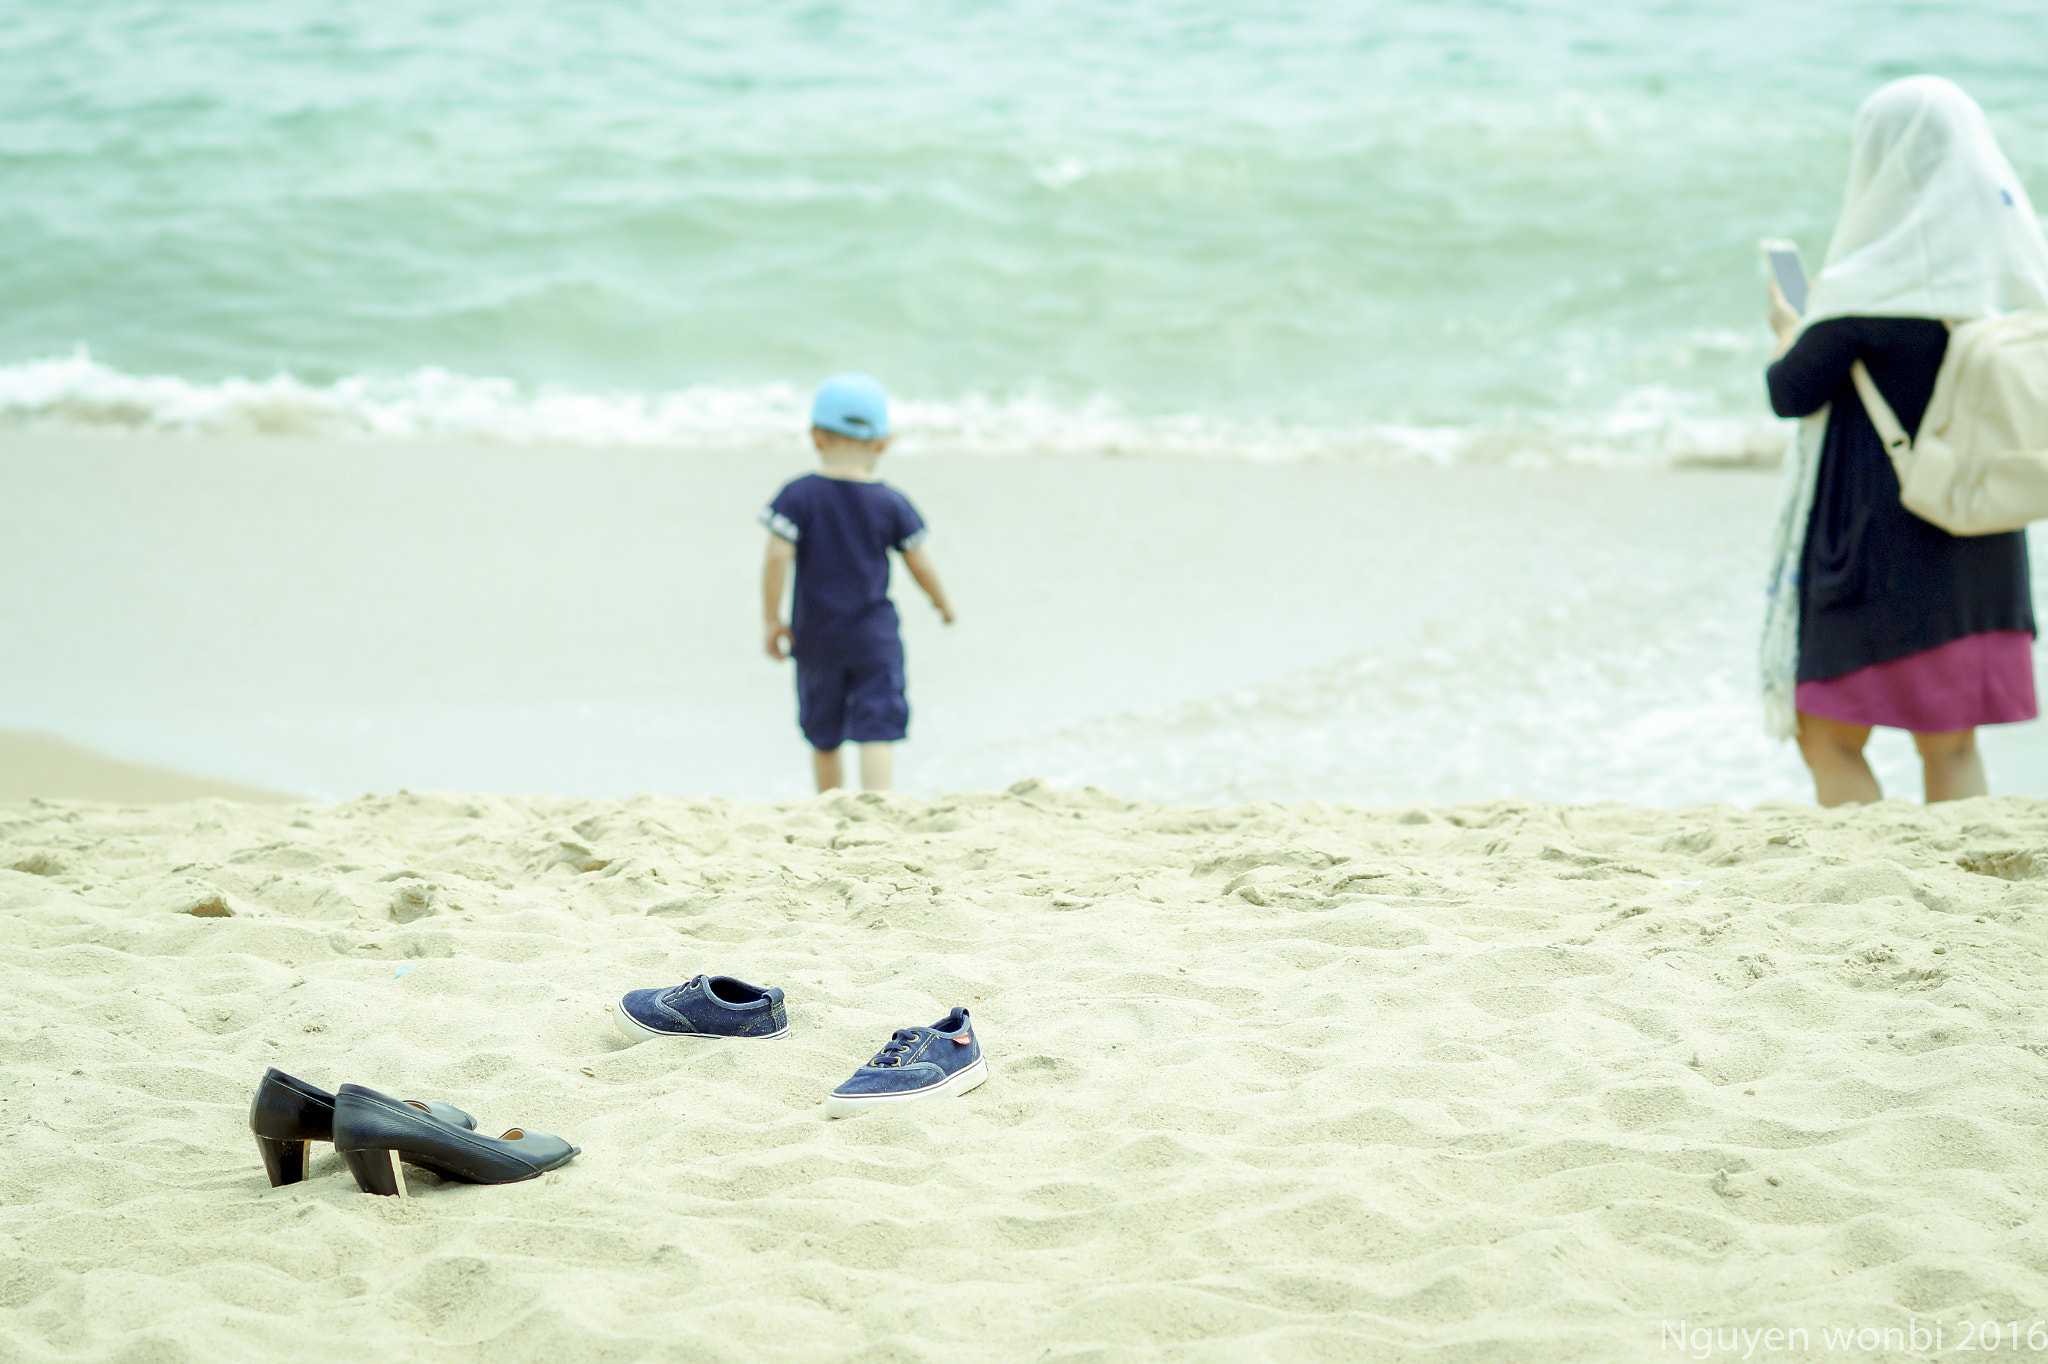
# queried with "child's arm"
point(774, 569)
point(919, 562)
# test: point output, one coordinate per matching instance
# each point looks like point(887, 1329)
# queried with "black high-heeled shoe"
point(287, 1113)
point(374, 1132)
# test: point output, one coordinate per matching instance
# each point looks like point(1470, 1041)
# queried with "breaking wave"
point(1651, 425)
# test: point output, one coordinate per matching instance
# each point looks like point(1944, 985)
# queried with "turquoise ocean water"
point(1468, 230)
point(1347, 242)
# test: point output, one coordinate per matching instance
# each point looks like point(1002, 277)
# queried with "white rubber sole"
point(845, 1106)
point(634, 1032)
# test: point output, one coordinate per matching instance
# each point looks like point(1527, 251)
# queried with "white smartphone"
point(1783, 258)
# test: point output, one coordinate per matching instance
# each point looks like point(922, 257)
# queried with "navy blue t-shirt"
point(843, 531)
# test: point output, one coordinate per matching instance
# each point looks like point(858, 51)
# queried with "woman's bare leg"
point(1952, 765)
point(825, 767)
point(1834, 754)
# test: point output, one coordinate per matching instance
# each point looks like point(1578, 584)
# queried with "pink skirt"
point(1984, 679)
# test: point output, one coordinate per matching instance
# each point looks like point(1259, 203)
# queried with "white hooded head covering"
point(1935, 223)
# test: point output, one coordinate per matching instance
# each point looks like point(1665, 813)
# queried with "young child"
point(837, 526)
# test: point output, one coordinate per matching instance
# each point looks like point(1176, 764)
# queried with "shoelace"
point(897, 1047)
point(676, 994)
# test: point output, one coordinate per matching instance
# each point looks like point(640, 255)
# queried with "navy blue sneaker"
point(918, 1063)
point(707, 1006)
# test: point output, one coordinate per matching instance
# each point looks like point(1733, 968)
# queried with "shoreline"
point(370, 616)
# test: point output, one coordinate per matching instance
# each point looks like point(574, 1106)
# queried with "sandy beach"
point(1337, 787)
point(43, 766)
point(329, 618)
point(1509, 1080)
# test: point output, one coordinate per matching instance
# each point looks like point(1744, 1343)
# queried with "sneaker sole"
point(846, 1105)
point(638, 1032)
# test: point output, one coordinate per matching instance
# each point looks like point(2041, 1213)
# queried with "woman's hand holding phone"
point(1787, 275)
point(1784, 320)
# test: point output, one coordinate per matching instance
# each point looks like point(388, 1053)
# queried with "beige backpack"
point(1980, 462)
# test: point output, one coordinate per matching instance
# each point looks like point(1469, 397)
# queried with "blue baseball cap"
point(853, 405)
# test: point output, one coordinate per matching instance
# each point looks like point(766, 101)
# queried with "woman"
point(1877, 617)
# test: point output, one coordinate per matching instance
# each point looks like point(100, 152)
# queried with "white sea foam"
point(78, 391)
point(1651, 424)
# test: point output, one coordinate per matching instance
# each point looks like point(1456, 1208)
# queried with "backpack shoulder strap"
point(1881, 415)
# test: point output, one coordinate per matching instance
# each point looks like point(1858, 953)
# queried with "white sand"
point(43, 765)
point(1509, 1081)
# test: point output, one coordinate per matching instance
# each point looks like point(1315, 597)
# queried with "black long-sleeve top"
point(1875, 581)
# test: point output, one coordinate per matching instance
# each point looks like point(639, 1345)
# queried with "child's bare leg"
point(1834, 754)
point(1952, 765)
point(825, 766)
point(877, 766)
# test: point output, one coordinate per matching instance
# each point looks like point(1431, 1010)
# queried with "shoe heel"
point(377, 1171)
point(283, 1161)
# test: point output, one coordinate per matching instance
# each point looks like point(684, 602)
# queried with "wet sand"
point(331, 618)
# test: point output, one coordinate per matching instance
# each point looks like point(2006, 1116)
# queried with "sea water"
point(1480, 228)
point(1467, 233)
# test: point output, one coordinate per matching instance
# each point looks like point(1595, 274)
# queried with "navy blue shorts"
point(858, 702)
